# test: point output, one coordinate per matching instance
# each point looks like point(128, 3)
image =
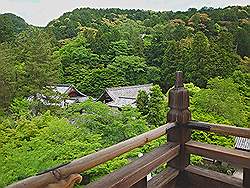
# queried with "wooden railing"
point(176, 153)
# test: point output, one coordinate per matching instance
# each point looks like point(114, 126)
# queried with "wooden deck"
point(176, 153)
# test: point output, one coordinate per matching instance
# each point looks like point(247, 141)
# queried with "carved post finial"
point(179, 102)
point(179, 79)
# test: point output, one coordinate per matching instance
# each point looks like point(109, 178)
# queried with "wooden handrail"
point(218, 128)
point(176, 152)
point(135, 171)
point(92, 160)
point(241, 158)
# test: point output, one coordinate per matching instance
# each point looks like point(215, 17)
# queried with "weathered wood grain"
point(137, 170)
point(197, 177)
point(163, 179)
point(220, 129)
point(241, 158)
point(141, 184)
point(246, 177)
point(180, 134)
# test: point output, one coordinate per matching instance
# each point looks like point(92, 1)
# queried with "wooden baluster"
point(246, 177)
point(179, 113)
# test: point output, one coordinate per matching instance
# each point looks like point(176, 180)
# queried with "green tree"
point(20, 107)
point(132, 68)
point(222, 100)
point(7, 76)
point(243, 39)
point(36, 66)
point(199, 58)
point(119, 48)
point(93, 82)
point(41, 143)
point(142, 102)
point(77, 52)
point(45, 141)
point(10, 26)
point(156, 107)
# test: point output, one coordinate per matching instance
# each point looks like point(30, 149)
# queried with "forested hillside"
point(10, 26)
point(204, 44)
point(98, 48)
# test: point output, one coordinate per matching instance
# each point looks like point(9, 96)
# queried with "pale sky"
point(41, 12)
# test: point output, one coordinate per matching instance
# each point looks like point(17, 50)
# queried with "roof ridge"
point(127, 87)
point(61, 85)
point(125, 97)
point(68, 86)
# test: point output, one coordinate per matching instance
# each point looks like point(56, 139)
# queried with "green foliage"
point(132, 68)
point(40, 143)
point(120, 48)
point(45, 141)
point(153, 106)
point(199, 58)
point(96, 49)
point(142, 102)
point(7, 76)
point(243, 38)
point(112, 47)
point(114, 126)
point(196, 160)
point(222, 99)
point(10, 26)
point(76, 52)
point(223, 102)
point(20, 107)
point(192, 89)
point(27, 66)
point(157, 106)
point(200, 45)
point(39, 67)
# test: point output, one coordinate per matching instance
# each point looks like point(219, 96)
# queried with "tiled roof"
point(62, 88)
point(128, 91)
point(242, 143)
point(65, 88)
point(122, 96)
point(122, 102)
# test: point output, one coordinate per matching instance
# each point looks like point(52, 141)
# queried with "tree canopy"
point(94, 49)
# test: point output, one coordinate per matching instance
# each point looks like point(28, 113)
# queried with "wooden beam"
point(163, 179)
point(199, 177)
point(92, 160)
point(246, 177)
point(241, 158)
point(220, 129)
point(137, 170)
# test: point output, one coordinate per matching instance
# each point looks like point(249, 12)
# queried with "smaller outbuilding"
point(72, 94)
point(63, 94)
point(118, 97)
point(242, 144)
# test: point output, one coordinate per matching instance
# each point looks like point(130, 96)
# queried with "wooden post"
point(141, 184)
point(246, 177)
point(179, 113)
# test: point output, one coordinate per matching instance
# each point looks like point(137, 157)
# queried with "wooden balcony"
point(176, 153)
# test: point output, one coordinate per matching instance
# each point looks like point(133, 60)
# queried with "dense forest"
point(98, 48)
